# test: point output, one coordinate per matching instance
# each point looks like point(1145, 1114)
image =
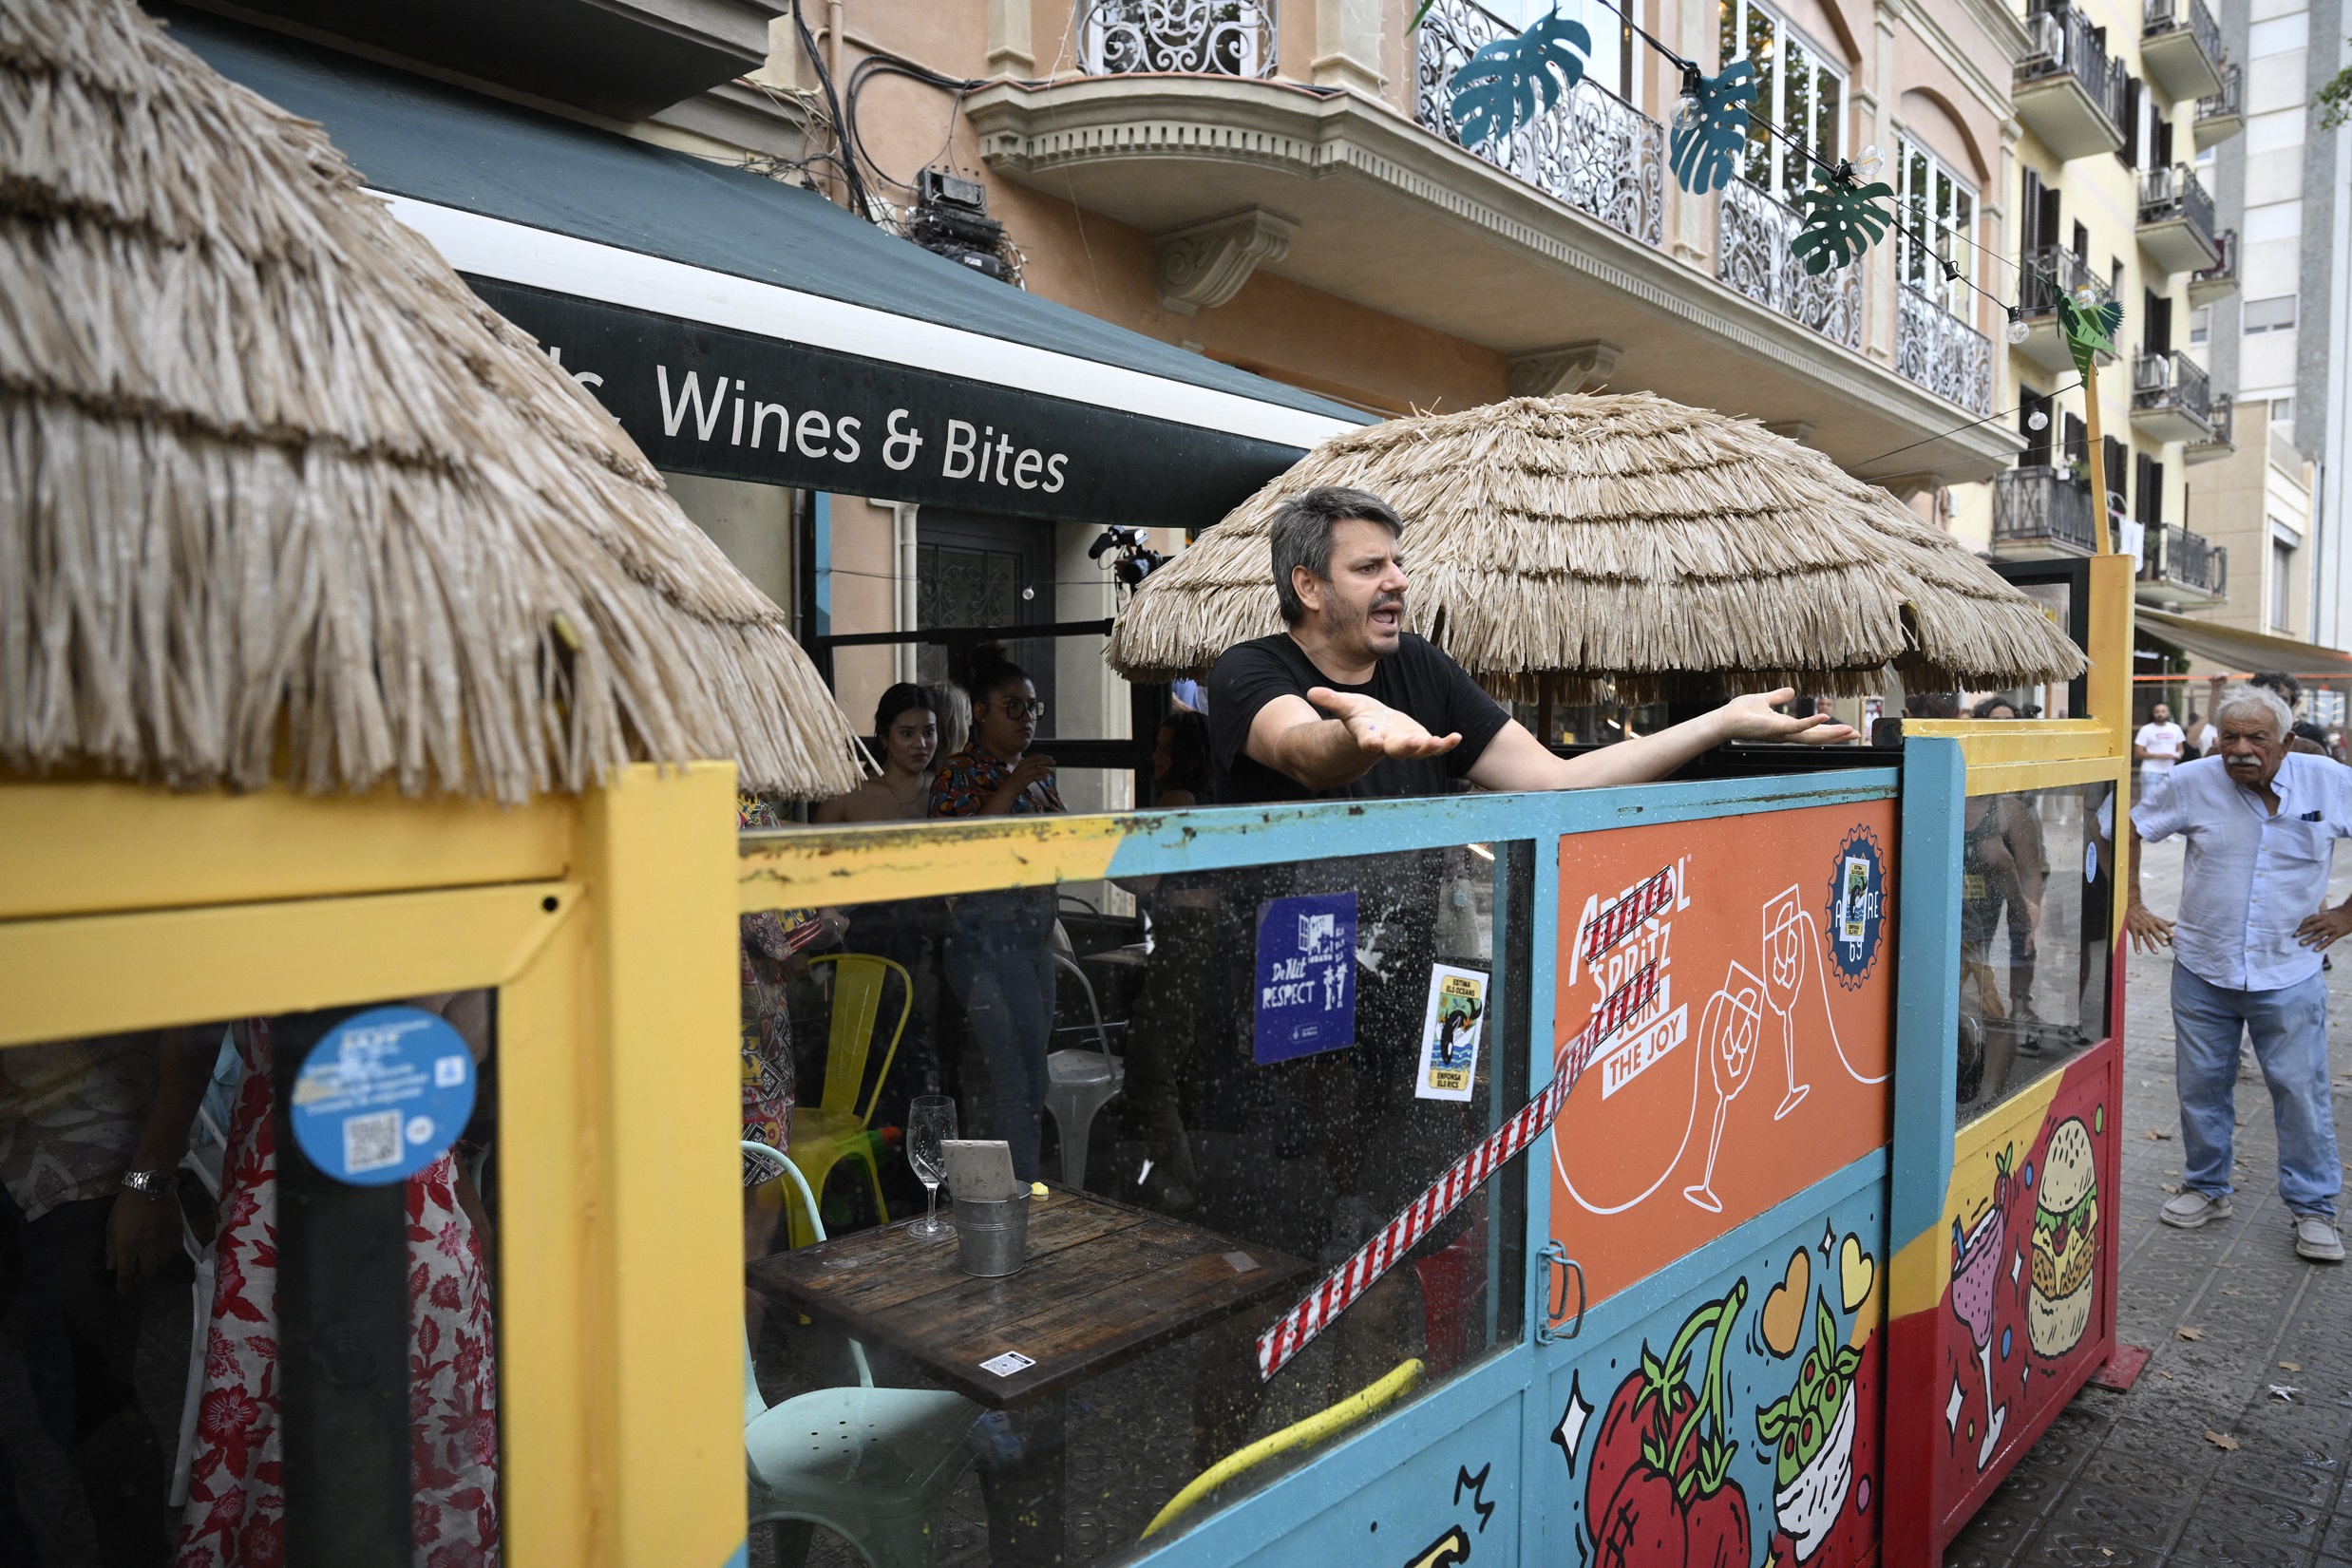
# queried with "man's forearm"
point(182, 1071)
point(1646, 757)
point(2131, 860)
point(1323, 755)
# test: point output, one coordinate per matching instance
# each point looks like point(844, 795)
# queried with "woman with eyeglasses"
point(1000, 945)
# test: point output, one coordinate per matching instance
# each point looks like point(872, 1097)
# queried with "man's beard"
point(1348, 620)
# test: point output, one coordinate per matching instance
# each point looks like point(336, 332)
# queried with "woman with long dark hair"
point(1000, 945)
point(906, 737)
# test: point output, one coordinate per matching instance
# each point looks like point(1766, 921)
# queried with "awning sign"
point(382, 1095)
point(1306, 975)
point(712, 400)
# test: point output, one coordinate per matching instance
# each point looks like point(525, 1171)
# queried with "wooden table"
point(1104, 1283)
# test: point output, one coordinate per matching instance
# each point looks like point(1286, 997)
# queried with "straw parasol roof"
point(1566, 547)
point(280, 497)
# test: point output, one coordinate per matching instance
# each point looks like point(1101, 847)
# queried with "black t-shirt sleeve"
point(1469, 711)
point(1246, 677)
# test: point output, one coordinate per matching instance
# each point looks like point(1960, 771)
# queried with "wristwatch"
point(153, 1184)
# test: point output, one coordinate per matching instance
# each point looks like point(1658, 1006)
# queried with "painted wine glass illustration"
point(1727, 1032)
point(1786, 928)
point(1976, 1274)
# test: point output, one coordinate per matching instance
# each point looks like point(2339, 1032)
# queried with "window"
point(1940, 207)
point(2274, 314)
point(1795, 87)
point(2282, 562)
point(2201, 324)
point(2283, 416)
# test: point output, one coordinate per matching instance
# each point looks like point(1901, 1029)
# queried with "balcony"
point(2176, 220)
point(1195, 37)
point(2179, 570)
point(2042, 511)
point(2171, 400)
point(1941, 352)
point(1603, 156)
point(1265, 194)
point(2223, 115)
point(2180, 48)
point(2051, 270)
point(2207, 284)
point(2222, 440)
point(2066, 91)
point(1752, 254)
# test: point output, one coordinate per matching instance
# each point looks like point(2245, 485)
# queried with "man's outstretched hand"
point(1754, 718)
point(1379, 729)
point(2147, 930)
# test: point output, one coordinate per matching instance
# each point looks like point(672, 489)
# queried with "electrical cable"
point(861, 200)
point(1943, 435)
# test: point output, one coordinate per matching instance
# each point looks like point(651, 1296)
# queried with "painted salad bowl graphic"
point(1811, 1430)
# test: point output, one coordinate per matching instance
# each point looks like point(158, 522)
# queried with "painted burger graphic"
point(2065, 1246)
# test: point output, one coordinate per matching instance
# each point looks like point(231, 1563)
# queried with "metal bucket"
point(992, 1238)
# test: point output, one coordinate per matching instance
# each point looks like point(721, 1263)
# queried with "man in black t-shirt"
point(1345, 703)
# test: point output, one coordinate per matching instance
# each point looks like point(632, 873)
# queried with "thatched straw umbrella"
point(280, 497)
point(1564, 549)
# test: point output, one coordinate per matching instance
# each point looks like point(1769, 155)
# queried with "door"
point(972, 569)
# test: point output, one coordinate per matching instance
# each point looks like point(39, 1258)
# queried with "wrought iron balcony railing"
point(2171, 554)
point(2229, 102)
point(2222, 275)
point(2052, 270)
point(2223, 418)
point(2042, 506)
point(2064, 43)
point(1189, 37)
point(2170, 381)
point(1752, 254)
point(2163, 16)
point(2176, 193)
point(1599, 154)
point(1941, 352)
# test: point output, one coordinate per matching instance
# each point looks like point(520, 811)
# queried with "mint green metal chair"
point(873, 1465)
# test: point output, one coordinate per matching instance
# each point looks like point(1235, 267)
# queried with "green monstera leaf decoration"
point(1512, 80)
point(2089, 330)
point(1842, 221)
point(1706, 151)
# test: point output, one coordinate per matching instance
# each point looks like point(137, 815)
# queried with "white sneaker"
point(2317, 1238)
point(2194, 1208)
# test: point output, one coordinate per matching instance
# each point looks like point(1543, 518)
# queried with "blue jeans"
point(1000, 962)
point(2290, 1028)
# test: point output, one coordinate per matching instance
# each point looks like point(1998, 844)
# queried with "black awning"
point(740, 326)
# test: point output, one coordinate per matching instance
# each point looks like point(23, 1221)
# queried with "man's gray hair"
point(2259, 700)
point(1301, 530)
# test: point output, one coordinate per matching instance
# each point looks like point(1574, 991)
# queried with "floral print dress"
point(236, 1515)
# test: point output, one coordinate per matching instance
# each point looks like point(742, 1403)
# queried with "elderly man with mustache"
point(2261, 822)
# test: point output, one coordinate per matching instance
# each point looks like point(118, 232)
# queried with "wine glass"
point(930, 1122)
point(1726, 1032)
point(1786, 926)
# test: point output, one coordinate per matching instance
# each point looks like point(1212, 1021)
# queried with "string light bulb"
point(1869, 162)
point(2019, 331)
point(1688, 112)
point(2086, 296)
point(2038, 421)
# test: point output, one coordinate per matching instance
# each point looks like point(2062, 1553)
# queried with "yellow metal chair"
point(1359, 1406)
point(834, 1130)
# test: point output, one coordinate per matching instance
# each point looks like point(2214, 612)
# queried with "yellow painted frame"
point(607, 925)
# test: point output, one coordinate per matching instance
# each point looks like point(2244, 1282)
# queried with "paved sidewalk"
point(2130, 1479)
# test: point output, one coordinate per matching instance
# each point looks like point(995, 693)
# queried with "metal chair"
point(1080, 1083)
point(835, 1130)
point(873, 1465)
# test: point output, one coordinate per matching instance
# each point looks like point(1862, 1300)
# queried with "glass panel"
point(1915, 213)
point(1798, 116)
point(1760, 39)
point(1961, 247)
point(215, 1348)
point(2036, 872)
point(1828, 127)
point(1230, 1080)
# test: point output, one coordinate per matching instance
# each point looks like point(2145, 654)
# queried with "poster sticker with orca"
point(1449, 1033)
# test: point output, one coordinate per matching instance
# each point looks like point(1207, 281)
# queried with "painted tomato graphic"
point(1658, 1490)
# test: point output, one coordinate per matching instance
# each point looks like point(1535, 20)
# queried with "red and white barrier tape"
point(1345, 1285)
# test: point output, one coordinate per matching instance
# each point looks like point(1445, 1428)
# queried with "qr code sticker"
point(371, 1143)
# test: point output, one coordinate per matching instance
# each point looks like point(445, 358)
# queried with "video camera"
point(1136, 560)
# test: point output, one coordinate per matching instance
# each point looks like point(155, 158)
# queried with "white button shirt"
point(2250, 877)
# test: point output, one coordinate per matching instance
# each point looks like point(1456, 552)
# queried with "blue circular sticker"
point(1857, 909)
point(382, 1095)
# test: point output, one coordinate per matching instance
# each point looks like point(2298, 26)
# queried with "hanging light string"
point(1946, 435)
point(1844, 172)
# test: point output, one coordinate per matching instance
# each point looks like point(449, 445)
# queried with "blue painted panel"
point(1737, 1417)
point(1935, 781)
point(1457, 1500)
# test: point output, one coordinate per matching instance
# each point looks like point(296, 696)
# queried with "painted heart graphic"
point(1784, 1305)
point(1855, 1270)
